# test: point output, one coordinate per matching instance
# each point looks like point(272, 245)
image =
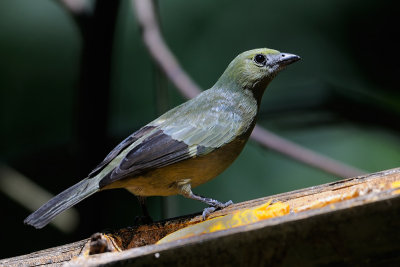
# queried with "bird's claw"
point(226, 204)
point(218, 205)
point(207, 212)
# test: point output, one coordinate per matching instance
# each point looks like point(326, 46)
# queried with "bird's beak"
point(284, 59)
point(281, 60)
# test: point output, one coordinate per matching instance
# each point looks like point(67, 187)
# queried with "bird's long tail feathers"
point(62, 201)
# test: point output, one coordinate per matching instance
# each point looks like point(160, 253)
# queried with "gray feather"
point(62, 201)
point(212, 119)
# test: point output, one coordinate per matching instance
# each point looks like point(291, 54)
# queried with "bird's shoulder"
point(212, 119)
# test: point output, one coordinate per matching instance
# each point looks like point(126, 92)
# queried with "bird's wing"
point(121, 146)
point(180, 134)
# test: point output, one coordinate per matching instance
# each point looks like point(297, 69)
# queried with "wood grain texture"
point(363, 229)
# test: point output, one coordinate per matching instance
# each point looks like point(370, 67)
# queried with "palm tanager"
point(185, 147)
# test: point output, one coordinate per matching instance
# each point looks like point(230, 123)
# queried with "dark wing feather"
point(156, 151)
point(120, 147)
point(153, 152)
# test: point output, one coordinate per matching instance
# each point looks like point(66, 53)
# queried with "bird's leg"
point(142, 202)
point(146, 216)
point(186, 191)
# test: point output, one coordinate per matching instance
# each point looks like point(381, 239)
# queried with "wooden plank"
point(363, 228)
point(52, 257)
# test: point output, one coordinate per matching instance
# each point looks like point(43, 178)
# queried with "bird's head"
point(254, 69)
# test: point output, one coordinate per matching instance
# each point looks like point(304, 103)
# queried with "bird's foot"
point(186, 191)
point(207, 212)
point(215, 204)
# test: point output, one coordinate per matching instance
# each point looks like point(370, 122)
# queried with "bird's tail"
point(62, 201)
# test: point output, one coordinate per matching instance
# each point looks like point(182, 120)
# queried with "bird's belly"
point(196, 171)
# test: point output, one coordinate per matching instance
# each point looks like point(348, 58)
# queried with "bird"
point(186, 146)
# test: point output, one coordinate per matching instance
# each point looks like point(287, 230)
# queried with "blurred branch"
point(15, 185)
point(76, 7)
point(302, 154)
point(81, 11)
point(160, 52)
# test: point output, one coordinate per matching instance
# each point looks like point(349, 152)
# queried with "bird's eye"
point(260, 59)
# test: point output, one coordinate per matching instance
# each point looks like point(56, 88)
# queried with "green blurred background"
point(341, 100)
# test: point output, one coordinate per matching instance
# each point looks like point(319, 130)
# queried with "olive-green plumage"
point(188, 145)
